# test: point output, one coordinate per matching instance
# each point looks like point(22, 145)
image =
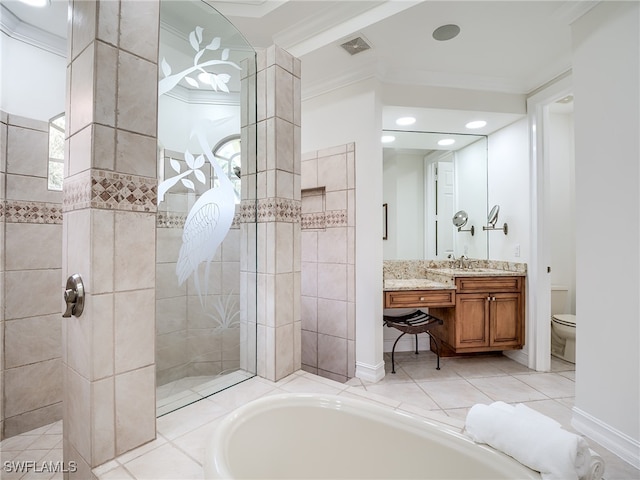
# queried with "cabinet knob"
point(422, 299)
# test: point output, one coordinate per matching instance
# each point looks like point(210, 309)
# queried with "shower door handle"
point(74, 296)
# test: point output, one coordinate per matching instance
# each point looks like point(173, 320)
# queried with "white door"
point(439, 200)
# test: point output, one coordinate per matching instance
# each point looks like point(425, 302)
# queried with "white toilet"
point(563, 326)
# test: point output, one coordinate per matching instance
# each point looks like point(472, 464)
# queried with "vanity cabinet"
point(488, 316)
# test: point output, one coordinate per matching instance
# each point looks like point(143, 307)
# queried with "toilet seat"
point(566, 319)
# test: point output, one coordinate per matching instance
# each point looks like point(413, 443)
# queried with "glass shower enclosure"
point(205, 338)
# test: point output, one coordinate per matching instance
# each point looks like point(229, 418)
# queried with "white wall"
point(562, 212)
point(606, 73)
point(354, 114)
point(35, 88)
point(508, 181)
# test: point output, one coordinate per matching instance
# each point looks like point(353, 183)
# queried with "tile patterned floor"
point(417, 387)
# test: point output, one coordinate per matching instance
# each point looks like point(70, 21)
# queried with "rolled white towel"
point(539, 444)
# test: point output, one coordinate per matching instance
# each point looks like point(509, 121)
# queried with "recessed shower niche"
point(205, 229)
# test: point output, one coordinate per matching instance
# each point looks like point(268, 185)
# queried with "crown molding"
point(15, 28)
point(246, 8)
point(203, 97)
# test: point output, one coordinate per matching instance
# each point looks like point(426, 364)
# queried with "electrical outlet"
point(516, 250)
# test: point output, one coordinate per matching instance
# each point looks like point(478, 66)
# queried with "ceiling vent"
point(357, 45)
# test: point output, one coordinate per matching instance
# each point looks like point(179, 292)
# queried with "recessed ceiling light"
point(406, 121)
point(446, 141)
point(36, 3)
point(446, 32)
point(476, 124)
point(387, 138)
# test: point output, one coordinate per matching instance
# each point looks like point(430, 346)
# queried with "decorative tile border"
point(279, 210)
point(14, 211)
point(170, 220)
point(177, 220)
point(322, 220)
point(111, 191)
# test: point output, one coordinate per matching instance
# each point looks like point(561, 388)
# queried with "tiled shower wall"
point(328, 261)
point(31, 375)
point(189, 339)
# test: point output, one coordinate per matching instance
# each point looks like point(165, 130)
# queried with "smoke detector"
point(356, 45)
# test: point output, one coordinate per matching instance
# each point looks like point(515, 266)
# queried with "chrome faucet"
point(462, 260)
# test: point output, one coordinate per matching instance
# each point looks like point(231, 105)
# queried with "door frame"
point(539, 278)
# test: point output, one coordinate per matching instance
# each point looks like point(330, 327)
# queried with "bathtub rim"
point(216, 467)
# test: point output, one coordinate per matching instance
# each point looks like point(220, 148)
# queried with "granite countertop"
point(438, 275)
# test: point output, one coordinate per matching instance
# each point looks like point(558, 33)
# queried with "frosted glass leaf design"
point(188, 157)
point(175, 164)
point(214, 45)
point(225, 54)
point(199, 34)
point(192, 82)
point(200, 176)
point(199, 162)
point(194, 41)
point(166, 68)
point(188, 183)
point(221, 81)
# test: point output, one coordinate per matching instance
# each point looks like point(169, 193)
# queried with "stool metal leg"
point(393, 351)
point(431, 338)
point(416, 343)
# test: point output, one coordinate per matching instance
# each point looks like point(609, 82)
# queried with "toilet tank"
point(559, 299)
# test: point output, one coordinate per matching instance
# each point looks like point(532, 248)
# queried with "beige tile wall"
point(30, 268)
point(3, 170)
point(328, 281)
point(278, 213)
point(109, 230)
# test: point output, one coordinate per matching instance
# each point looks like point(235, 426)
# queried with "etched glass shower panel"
point(198, 236)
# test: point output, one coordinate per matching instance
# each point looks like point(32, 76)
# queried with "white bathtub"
point(322, 436)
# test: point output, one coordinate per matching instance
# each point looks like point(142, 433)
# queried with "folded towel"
point(531, 438)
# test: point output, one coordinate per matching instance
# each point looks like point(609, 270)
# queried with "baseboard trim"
point(519, 356)
point(370, 373)
point(621, 444)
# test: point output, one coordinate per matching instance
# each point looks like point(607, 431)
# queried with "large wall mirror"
point(430, 177)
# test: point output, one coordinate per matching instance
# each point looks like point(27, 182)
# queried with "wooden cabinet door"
point(505, 314)
point(472, 320)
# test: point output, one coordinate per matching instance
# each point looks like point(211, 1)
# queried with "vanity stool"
point(413, 323)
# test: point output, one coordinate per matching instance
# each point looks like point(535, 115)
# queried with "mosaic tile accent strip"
point(279, 210)
point(170, 220)
point(322, 220)
point(110, 191)
point(313, 221)
point(336, 218)
point(31, 212)
point(247, 213)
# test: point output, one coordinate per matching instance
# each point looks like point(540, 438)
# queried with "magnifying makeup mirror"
point(460, 220)
point(493, 215)
point(492, 219)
